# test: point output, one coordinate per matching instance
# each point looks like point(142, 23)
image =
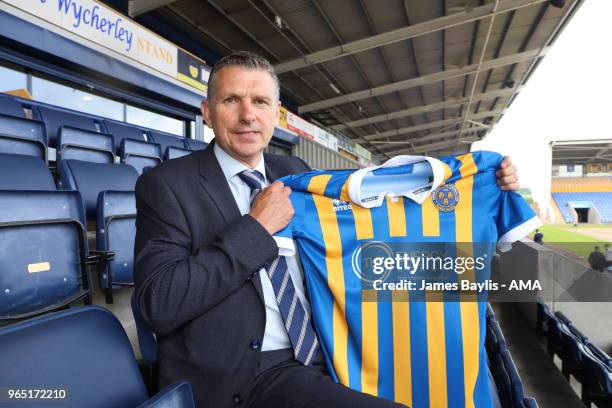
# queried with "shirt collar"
point(441, 172)
point(231, 166)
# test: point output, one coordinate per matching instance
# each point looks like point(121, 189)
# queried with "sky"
point(565, 99)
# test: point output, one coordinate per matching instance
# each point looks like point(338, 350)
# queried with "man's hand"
point(272, 207)
point(506, 175)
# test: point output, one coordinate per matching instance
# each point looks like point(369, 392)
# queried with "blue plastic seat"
point(499, 336)
point(54, 119)
point(175, 152)
point(85, 352)
point(139, 154)
point(11, 106)
point(116, 231)
point(597, 379)
point(92, 178)
point(121, 130)
point(194, 144)
point(530, 402)
point(23, 136)
point(502, 380)
point(147, 342)
point(516, 385)
point(19, 172)
point(166, 139)
point(44, 247)
point(570, 353)
point(108, 195)
point(79, 144)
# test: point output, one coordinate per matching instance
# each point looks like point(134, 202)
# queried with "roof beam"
point(402, 34)
point(420, 140)
point(425, 126)
point(138, 7)
point(423, 80)
point(453, 103)
point(440, 145)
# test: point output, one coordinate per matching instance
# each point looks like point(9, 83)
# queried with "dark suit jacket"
point(196, 263)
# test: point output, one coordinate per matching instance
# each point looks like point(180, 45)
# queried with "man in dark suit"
point(204, 255)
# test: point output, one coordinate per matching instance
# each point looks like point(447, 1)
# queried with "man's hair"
point(243, 59)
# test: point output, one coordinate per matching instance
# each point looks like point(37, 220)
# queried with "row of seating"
point(78, 136)
point(581, 184)
point(580, 358)
point(602, 201)
point(505, 374)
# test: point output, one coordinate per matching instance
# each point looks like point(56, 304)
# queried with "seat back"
point(194, 144)
point(116, 232)
point(19, 172)
point(499, 336)
point(79, 144)
point(92, 178)
point(516, 385)
point(23, 136)
point(175, 152)
point(44, 233)
point(139, 154)
point(83, 350)
point(569, 352)
point(166, 139)
point(121, 130)
point(502, 380)
point(55, 118)
point(11, 106)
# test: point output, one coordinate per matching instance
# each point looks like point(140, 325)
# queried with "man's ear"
point(205, 109)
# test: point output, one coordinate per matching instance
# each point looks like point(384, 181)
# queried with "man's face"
point(243, 113)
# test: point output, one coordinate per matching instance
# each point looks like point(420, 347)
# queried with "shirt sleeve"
point(515, 220)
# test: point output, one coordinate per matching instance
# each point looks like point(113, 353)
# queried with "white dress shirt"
point(275, 335)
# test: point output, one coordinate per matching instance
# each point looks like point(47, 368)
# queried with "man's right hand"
point(272, 207)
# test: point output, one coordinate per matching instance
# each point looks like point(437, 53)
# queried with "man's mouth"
point(247, 132)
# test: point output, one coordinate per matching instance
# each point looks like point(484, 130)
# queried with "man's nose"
point(247, 113)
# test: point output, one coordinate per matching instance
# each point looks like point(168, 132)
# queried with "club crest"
point(445, 197)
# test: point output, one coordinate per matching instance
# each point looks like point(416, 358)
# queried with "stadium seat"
point(44, 233)
point(92, 178)
point(194, 144)
point(23, 136)
point(600, 354)
point(570, 353)
point(116, 231)
point(561, 316)
point(530, 403)
point(85, 352)
point(139, 154)
point(121, 130)
point(19, 172)
point(500, 342)
point(553, 332)
point(516, 385)
point(502, 380)
point(79, 144)
point(166, 139)
point(108, 195)
point(55, 118)
point(490, 312)
point(175, 152)
point(597, 380)
point(11, 106)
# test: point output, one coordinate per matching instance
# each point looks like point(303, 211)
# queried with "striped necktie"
point(297, 320)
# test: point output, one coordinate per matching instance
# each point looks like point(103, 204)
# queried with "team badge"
point(445, 197)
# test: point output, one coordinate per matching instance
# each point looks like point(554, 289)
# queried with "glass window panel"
point(11, 79)
point(154, 120)
point(67, 97)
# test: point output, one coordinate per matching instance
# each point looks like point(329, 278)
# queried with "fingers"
point(510, 187)
point(506, 171)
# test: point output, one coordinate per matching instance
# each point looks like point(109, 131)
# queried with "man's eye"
point(261, 102)
point(231, 99)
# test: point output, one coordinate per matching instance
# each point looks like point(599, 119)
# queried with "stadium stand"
point(108, 196)
point(581, 184)
point(139, 154)
point(85, 352)
point(54, 119)
point(602, 201)
point(44, 231)
point(79, 144)
point(22, 136)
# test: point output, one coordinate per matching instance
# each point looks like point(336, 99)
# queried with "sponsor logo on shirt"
point(340, 205)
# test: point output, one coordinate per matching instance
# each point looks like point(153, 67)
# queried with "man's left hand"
point(506, 175)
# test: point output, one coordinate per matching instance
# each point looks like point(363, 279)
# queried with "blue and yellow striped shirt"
point(423, 354)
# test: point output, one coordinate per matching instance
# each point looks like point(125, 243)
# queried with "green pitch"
point(579, 240)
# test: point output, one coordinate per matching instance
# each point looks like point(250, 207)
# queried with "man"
point(608, 254)
point(597, 260)
point(538, 236)
point(204, 256)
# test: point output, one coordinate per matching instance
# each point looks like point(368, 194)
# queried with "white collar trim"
point(354, 188)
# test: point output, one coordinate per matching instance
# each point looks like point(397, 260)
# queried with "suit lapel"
point(214, 182)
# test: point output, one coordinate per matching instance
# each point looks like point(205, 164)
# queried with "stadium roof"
point(581, 151)
point(396, 76)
